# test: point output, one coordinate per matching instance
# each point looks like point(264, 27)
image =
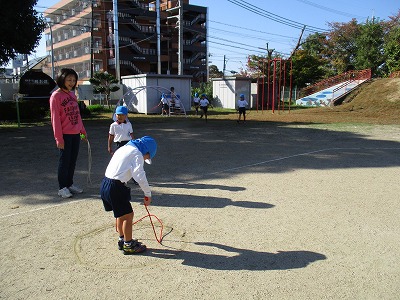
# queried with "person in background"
point(204, 103)
point(164, 105)
point(121, 130)
point(68, 130)
point(196, 102)
point(242, 105)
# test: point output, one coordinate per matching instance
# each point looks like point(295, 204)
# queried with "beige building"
point(135, 38)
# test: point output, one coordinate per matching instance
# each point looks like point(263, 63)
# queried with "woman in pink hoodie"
point(68, 130)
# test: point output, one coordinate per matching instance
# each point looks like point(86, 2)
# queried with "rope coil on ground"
point(159, 240)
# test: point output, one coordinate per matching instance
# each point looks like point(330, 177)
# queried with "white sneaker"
point(64, 193)
point(75, 190)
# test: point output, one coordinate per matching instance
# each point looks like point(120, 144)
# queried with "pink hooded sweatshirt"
point(65, 115)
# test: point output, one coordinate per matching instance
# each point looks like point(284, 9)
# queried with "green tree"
point(341, 45)
point(369, 52)
point(214, 72)
point(392, 44)
point(105, 83)
point(21, 29)
point(307, 68)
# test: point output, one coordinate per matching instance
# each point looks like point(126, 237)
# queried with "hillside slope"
point(374, 102)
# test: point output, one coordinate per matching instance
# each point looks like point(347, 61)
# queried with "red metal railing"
point(344, 77)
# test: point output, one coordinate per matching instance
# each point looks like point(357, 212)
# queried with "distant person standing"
point(196, 102)
point(68, 130)
point(204, 103)
point(164, 105)
point(242, 105)
point(121, 131)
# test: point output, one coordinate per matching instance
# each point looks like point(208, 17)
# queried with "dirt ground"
point(274, 209)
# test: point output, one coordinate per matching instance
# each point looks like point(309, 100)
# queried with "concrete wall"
point(142, 93)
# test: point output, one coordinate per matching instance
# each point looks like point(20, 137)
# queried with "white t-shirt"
point(204, 102)
point(196, 100)
point(242, 103)
point(126, 163)
point(121, 131)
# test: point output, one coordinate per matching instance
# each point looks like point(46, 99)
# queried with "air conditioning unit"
point(73, 32)
point(73, 12)
point(58, 19)
point(65, 36)
point(75, 53)
point(67, 55)
point(59, 38)
point(60, 57)
point(84, 5)
point(64, 16)
point(87, 50)
point(95, 5)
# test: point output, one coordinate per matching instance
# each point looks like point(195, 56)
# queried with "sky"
point(239, 28)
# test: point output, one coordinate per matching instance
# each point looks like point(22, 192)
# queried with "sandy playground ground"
point(256, 211)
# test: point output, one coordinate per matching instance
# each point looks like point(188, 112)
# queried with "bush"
point(97, 108)
point(28, 110)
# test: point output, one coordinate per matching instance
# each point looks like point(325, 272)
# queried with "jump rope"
point(149, 215)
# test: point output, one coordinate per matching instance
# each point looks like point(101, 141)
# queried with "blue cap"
point(121, 110)
point(241, 95)
point(145, 145)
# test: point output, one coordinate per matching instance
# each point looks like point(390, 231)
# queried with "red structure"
point(277, 73)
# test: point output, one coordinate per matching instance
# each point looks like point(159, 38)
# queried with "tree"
point(392, 44)
point(342, 45)
point(307, 68)
point(214, 72)
point(104, 83)
point(369, 47)
point(21, 29)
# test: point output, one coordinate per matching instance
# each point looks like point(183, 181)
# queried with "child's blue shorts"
point(116, 197)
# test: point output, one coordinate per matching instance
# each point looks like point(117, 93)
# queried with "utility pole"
point(52, 50)
point(224, 68)
point(158, 30)
point(298, 42)
point(180, 46)
point(91, 42)
point(179, 25)
point(116, 40)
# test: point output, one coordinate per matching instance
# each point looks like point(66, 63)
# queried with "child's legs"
point(117, 196)
point(124, 226)
point(67, 160)
point(76, 139)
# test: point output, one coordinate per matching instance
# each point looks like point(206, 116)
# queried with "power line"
point(274, 17)
point(338, 12)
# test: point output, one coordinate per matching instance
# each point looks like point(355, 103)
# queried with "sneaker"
point(64, 193)
point(120, 244)
point(134, 247)
point(75, 190)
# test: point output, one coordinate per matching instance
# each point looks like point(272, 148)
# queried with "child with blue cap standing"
point(126, 163)
point(121, 131)
point(242, 105)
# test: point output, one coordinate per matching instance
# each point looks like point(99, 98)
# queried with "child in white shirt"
point(121, 130)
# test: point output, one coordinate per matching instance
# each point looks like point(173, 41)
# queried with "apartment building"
point(134, 38)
